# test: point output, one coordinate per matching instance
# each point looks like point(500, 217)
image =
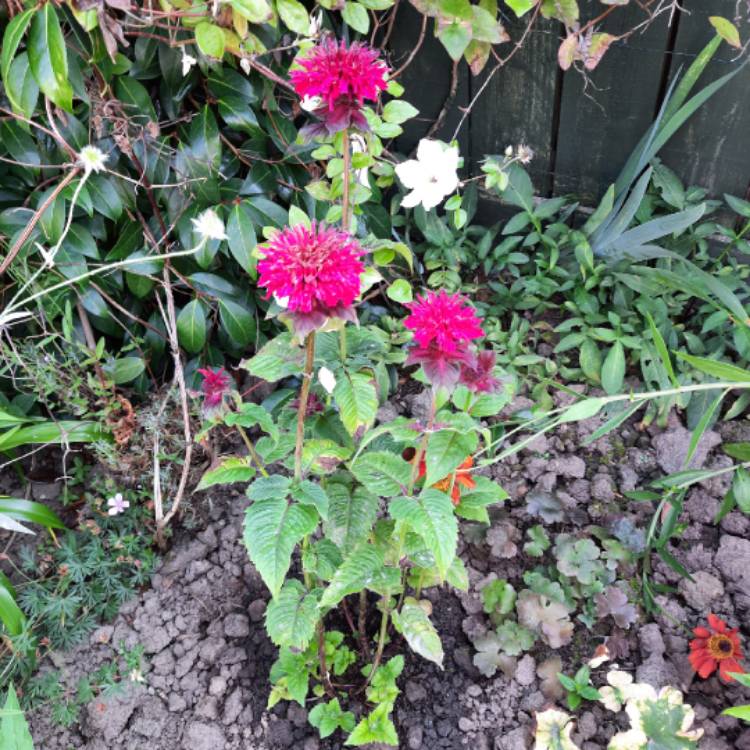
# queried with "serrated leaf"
point(310, 493)
point(272, 529)
point(358, 568)
point(430, 516)
point(375, 727)
point(350, 515)
point(446, 451)
point(386, 474)
point(357, 400)
point(230, 470)
point(414, 624)
point(279, 358)
point(249, 415)
point(291, 616)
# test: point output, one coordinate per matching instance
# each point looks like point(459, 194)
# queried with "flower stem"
point(303, 397)
point(362, 623)
point(251, 450)
point(347, 178)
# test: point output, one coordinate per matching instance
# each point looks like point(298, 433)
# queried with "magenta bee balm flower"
point(314, 272)
point(215, 386)
point(342, 78)
point(444, 326)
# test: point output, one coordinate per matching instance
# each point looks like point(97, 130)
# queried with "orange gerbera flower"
point(716, 647)
point(460, 479)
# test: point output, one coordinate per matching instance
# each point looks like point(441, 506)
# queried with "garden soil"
point(207, 658)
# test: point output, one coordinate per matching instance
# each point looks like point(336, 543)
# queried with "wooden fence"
point(582, 135)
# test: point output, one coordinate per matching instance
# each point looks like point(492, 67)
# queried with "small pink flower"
point(215, 386)
point(117, 505)
point(477, 372)
point(316, 271)
point(343, 78)
point(444, 326)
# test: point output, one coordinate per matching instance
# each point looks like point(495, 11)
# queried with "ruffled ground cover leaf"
point(553, 730)
point(545, 505)
point(547, 617)
point(489, 656)
point(538, 542)
point(578, 558)
point(513, 638)
point(414, 624)
point(498, 596)
point(502, 538)
point(613, 601)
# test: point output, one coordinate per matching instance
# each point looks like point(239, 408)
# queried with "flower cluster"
point(716, 647)
point(215, 387)
point(313, 272)
point(444, 326)
point(341, 79)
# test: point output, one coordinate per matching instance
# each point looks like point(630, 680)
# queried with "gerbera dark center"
point(720, 646)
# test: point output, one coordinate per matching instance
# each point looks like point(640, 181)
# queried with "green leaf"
point(230, 470)
point(21, 87)
point(376, 727)
point(104, 196)
point(191, 326)
point(446, 451)
point(294, 15)
point(328, 717)
point(740, 490)
point(613, 369)
point(726, 30)
point(14, 32)
point(739, 712)
point(210, 39)
point(277, 359)
point(661, 348)
point(249, 415)
point(400, 291)
point(356, 16)
point(310, 493)
point(241, 233)
point(48, 57)
point(590, 360)
point(359, 566)
point(273, 527)
point(431, 517)
point(521, 7)
point(238, 322)
point(584, 409)
point(14, 729)
point(722, 370)
point(386, 474)
point(414, 624)
point(350, 515)
point(66, 431)
point(10, 613)
point(291, 616)
point(256, 11)
point(397, 111)
point(455, 37)
point(125, 369)
point(357, 400)
point(26, 510)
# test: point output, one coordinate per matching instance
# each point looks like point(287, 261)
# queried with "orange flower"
point(716, 646)
point(461, 478)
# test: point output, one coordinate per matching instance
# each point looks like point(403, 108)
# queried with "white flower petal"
point(411, 173)
point(327, 379)
point(411, 199)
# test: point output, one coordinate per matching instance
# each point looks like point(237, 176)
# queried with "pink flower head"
point(343, 78)
point(215, 386)
point(444, 326)
point(476, 372)
point(314, 272)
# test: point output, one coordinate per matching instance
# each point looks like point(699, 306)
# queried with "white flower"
point(187, 62)
point(310, 103)
point(117, 505)
point(359, 146)
point(209, 226)
point(431, 176)
point(327, 379)
point(136, 675)
point(316, 21)
point(92, 159)
point(245, 65)
point(509, 151)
